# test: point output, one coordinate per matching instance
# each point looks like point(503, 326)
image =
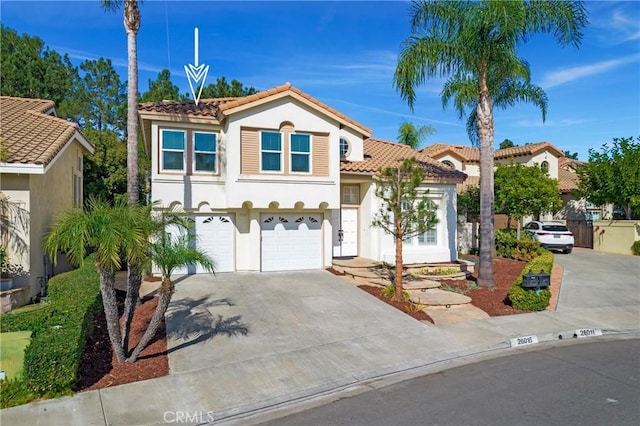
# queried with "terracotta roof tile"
point(471, 154)
point(32, 135)
point(567, 180)
point(205, 107)
point(380, 153)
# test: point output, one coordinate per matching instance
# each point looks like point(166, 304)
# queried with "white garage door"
point(215, 236)
point(291, 241)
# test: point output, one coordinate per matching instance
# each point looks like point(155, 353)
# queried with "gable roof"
point(33, 135)
point(379, 153)
point(567, 180)
point(219, 108)
point(471, 154)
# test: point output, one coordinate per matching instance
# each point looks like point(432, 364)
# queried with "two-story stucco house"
point(41, 174)
point(281, 181)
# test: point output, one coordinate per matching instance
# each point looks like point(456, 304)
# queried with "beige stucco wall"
point(615, 236)
point(42, 196)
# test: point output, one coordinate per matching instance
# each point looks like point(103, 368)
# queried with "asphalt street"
point(578, 384)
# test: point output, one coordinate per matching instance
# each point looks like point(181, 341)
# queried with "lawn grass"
point(12, 352)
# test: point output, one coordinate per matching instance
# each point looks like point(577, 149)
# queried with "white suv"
point(551, 235)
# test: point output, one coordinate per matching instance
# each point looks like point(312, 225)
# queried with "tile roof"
point(31, 134)
point(380, 153)
point(216, 107)
point(567, 180)
point(471, 154)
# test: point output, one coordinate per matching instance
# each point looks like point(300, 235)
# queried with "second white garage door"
point(291, 241)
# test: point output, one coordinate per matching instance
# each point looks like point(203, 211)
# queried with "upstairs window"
point(270, 151)
point(344, 147)
point(300, 153)
point(448, 163)
point(173, 150)
point(205, 148)
point(351, 194)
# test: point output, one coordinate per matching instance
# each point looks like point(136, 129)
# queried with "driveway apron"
point(594, 279)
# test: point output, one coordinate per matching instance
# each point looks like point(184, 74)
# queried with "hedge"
point(60, 331)
point(528, 299)
point(508, 245)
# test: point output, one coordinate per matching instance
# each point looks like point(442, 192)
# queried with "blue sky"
point(344, 54)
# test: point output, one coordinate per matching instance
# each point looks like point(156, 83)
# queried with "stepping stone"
point(420, 284)
point(455, 314)
point(437, 297)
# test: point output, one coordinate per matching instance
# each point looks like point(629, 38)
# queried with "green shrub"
point(529, 299)
point(389, 292)
point(509, 247)
point(635, 248)
point(60, 331)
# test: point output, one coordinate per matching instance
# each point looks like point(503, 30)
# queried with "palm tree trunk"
point(134, 282)
point(132, 24)
point(107, 289)
point(487, 232)
point(164, 298)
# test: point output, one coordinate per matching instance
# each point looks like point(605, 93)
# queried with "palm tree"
point(111, 232)
point(168, 253)
point(131, 26)
point(409, 134)
point(475, 45)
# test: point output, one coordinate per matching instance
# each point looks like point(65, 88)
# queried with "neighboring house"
point(575, 208)
point(280, 181)
point(40, 175)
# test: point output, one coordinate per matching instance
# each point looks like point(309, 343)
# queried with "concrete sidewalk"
point(310, 337)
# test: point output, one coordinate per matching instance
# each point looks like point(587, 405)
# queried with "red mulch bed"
point(99, 368)
point(493, 302)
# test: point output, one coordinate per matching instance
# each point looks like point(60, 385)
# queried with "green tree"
point(525, 190)
point(475, 45)
point(569, 154)
point(406, 211)
point(112, 232)
point(105, 171)
point(223, 89)
point(413, 136)
point(168, 253)
point(100, 97)
point(162, 89)
point(613, 175)
point(29, 69)
point(507, 143)
point(469, 203)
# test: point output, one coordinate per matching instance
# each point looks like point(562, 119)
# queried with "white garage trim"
point(291, 241)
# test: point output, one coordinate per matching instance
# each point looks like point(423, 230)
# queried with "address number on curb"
point(524, 340)
point(588, 332)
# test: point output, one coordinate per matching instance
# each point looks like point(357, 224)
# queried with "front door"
point(348, 232)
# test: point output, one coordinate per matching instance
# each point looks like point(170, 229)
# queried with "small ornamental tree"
point(613, 175)
point(525, 190)
point(406, 211)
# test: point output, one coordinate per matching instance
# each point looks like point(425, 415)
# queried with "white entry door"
point(291, 241)
point(349, 232)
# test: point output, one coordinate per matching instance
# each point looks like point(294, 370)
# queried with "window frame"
point(280, 152)
point(344, 193)
point(195, 152)
point(348, 147)
point(163, 150)
point(308, 154)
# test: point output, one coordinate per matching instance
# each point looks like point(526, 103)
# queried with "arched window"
point(448, 163)
point(545, 166)
point(344, 147)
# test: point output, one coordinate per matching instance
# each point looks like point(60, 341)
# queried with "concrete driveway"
point(593, 279)
point(260, 315)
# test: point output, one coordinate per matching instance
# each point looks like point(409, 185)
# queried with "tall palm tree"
point(475, 44)
point(168, 253)
point(409, 134)
point(131, 26)
point(111, 232)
